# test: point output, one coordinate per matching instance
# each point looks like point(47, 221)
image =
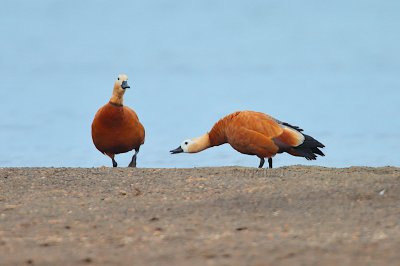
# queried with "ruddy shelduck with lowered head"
point(255, 133)
point(116, 128)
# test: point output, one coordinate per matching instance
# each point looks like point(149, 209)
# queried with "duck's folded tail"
point(309, 149)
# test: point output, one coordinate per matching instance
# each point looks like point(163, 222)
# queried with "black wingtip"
point(291, 126)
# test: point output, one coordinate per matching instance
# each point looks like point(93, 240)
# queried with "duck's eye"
point(186, 143)
point(118, 78)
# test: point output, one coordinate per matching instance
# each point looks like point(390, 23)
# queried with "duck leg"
point(262, 161)
point(114, 162)
point(270, 162)
point(111, 155)
point(133, 162)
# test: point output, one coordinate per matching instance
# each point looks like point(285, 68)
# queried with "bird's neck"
point(117, 97)
point(217, 134)
point(201, 143)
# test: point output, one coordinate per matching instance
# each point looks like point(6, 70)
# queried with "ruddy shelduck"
point(116, 128)
point(255, 133)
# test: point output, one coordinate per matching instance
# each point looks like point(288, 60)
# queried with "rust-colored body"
point(255, 133)
point(116, 129)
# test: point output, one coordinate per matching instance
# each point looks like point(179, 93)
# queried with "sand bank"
point(202, 216)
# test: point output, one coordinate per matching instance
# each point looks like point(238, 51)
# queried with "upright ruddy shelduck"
point(116, 128)
point(257, 134)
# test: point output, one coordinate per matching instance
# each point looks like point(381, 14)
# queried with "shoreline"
point(295, 166)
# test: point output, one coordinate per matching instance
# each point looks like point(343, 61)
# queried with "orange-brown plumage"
point(116, 128)
point(256, 133)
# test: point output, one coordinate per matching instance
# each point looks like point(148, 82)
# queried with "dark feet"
point(114, 162)
point(270, 162)
point(133, 162)
point(262, 161)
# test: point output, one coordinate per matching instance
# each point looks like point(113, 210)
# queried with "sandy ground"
point(203, 216)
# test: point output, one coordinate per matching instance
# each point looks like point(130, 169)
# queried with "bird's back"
point(256, 133)
point(227, 127)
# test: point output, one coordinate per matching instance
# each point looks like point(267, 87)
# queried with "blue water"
point(330, 67)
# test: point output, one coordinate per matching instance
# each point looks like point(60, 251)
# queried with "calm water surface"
point(331, 68)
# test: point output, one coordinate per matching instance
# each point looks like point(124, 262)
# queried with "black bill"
point(177, 150)
point(125, 85)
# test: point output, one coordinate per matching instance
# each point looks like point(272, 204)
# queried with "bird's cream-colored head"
point(193, 145)
point(120, 85)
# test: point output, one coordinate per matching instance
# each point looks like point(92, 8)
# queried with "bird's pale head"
point(184, 147)
point(121, 84)
point(193, 145)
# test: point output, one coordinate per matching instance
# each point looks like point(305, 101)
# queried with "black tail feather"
point(317, 151)
point(309, 149)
